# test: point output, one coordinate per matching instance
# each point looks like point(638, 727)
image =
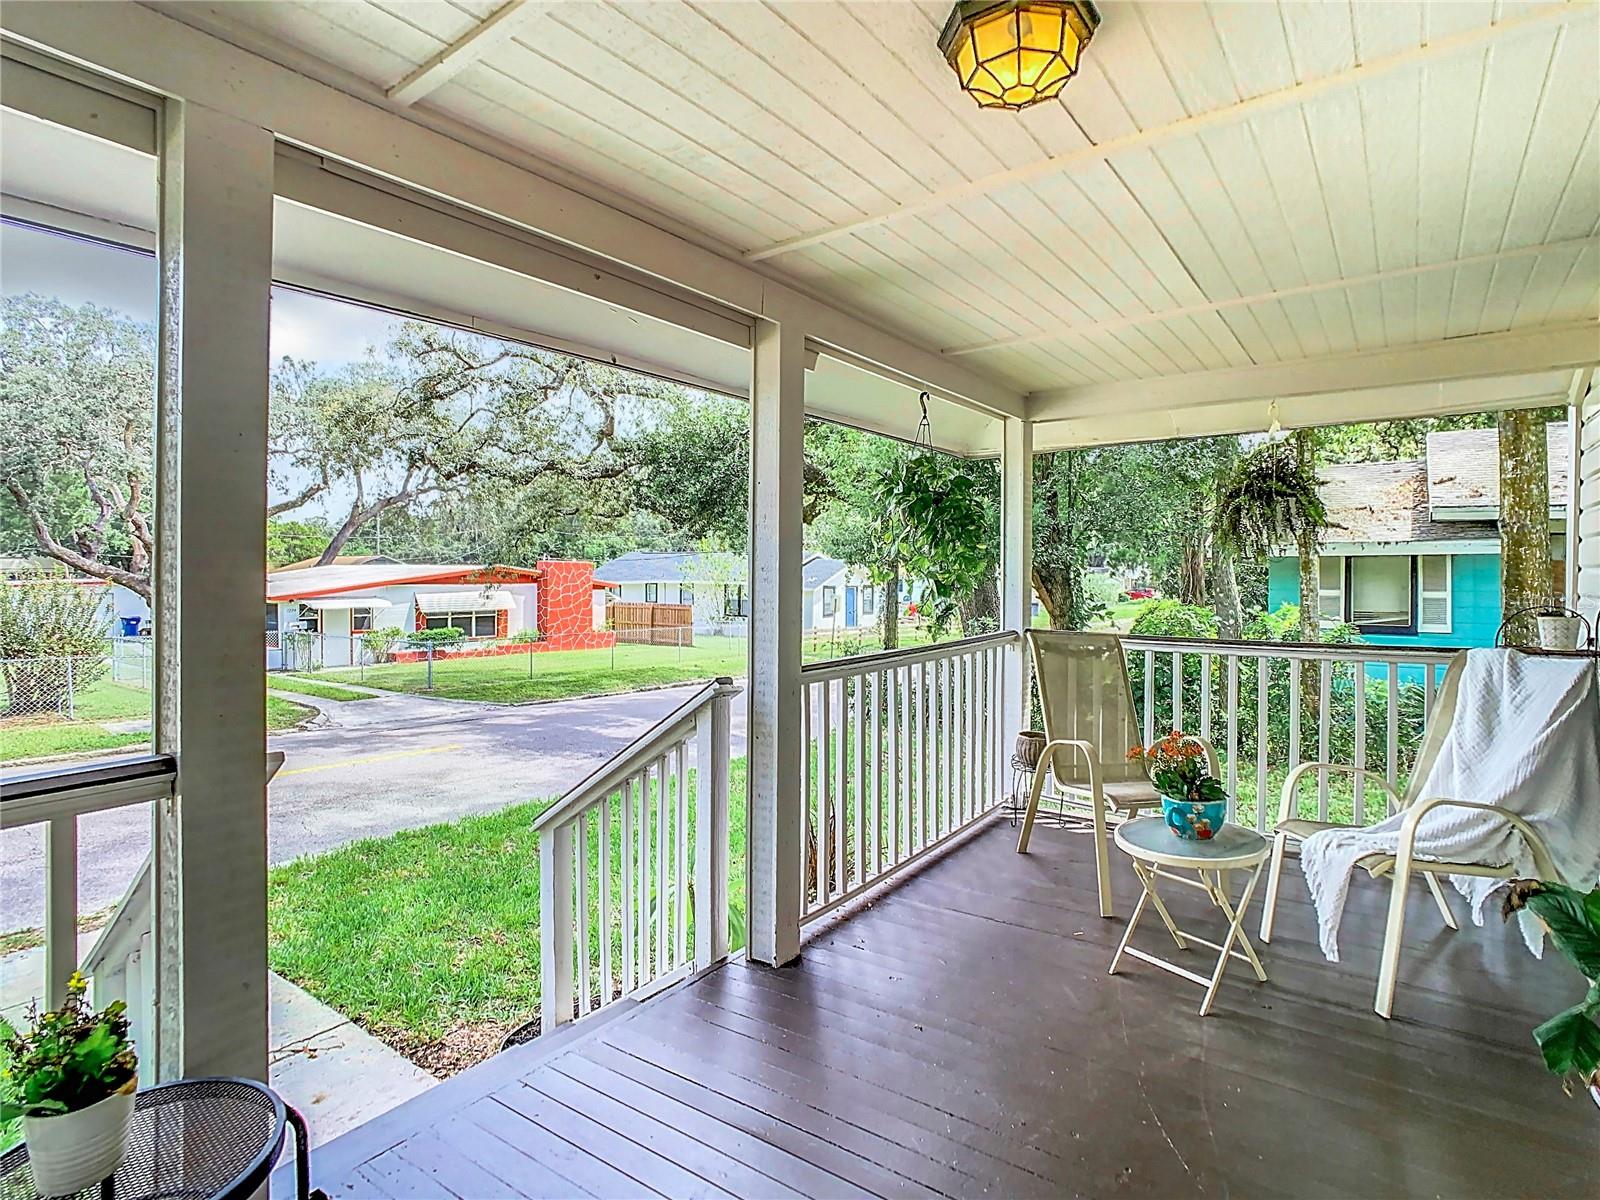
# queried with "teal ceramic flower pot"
point(1193, 820)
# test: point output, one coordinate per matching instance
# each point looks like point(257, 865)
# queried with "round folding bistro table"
point(196, 1139)
point(1158, 854)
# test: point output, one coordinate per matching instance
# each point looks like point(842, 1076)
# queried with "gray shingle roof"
point(818, 570)
point(1464, 466)
point(658, 566)
point(1387, 502)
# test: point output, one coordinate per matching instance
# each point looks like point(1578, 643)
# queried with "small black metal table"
point(196, 1139)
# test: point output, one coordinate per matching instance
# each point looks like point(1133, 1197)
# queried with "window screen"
point(1380, 590)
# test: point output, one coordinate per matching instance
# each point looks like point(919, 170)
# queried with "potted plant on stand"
point(71, 1078)
point(1192, 800)
point(1570, 1040)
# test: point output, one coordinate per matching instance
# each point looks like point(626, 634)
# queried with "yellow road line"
point(371, 758)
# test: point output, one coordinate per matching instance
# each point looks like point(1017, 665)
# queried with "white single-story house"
point(715, 584)
point(338, 603)
point(839, 596)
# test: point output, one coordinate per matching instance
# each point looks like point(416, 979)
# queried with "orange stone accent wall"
point(566, 607)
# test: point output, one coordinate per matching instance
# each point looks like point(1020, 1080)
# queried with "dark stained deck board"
point(960, 1037)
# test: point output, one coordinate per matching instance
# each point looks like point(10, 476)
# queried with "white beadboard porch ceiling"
point(1224, 185)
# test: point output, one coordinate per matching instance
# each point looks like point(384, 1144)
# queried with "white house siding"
point(1585, 512)
point(815, 622)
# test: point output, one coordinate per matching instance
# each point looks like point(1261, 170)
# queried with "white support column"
point(1016, 564)
point(777, 467)
point(211, 840)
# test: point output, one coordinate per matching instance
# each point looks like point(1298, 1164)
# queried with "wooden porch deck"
point(961, 1037)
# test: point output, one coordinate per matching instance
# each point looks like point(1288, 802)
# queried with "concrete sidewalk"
point(336, 1073)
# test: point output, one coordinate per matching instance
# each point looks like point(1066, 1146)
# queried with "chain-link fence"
point(59, 685)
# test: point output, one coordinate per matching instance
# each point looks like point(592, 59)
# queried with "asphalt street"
point(376, 767)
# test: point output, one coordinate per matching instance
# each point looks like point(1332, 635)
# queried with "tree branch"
point(138, 584)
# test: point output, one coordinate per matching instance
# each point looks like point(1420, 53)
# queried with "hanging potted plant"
point(71, 1078)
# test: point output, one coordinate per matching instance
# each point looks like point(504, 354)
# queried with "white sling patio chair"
point(1292, 830)
point(1089, 725)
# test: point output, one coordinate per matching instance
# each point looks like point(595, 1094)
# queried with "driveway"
point(382, 765)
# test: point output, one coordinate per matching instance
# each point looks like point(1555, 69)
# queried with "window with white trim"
point(1380, 590)
point(310, 619)
point(869, 601)
point(1433, 593)
point(686, 593)
point(360, 620)
point(473, 624)
point(830, 601)
point(1330, 588)
point(649, 593)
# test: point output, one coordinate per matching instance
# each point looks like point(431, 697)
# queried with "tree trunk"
point(1305, 444)
point(980, 612)
point(1057, 588)
point(1225, 583)
point(1192, 573)
point(889, 615)
point(1524, 521)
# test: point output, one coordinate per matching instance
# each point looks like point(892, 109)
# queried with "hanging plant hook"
point(924, 438)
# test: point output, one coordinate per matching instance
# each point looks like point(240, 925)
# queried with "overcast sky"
point(77, 271)
point(330, 332)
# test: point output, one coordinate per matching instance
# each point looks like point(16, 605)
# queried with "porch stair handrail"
point(634, 814)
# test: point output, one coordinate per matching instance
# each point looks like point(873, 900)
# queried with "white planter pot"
point(1559, 633)
point(76, 1150)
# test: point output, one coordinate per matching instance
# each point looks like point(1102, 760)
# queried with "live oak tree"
point(77, 437)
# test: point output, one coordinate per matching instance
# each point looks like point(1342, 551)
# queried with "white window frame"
point(371, 620)
point(830, 601)
point(650, 593)
point(869, 601)
point(1324, 591)
point(1424, 593)
point(310, 618)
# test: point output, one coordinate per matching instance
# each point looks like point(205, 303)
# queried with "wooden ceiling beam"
point(1296, 94)
point(1305, 289)
point(459, 54)
point(1550, 347)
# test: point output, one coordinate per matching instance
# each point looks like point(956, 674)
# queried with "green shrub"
point(380, 643)
point(525, 637)
point(1173, 618)
point(445, 636)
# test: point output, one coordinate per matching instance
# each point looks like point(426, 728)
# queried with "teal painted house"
point(1414, 554)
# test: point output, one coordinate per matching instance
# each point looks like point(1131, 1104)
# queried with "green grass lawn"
point(310, 687)
point(563, 674)
point(50, 736)
point(430, 937)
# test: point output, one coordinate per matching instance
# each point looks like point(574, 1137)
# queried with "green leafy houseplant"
point(1570, 1040)
point(69, 1059)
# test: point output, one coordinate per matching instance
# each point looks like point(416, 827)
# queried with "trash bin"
point(130, 626)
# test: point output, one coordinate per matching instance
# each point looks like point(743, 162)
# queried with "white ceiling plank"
point(1433, 304)
point(1188, 126)
point(1469, 290)
point(1451, 108)
point(1399, 299)
point(1513, 88)
point(1321, 38)
point(1580, 293)
point(557, 64)
point(1186, 43)
point(1547, 348)
point(568, 135)
point(1384, 29)
point(1571, 101)
point(1506, 289)
point(825, 71)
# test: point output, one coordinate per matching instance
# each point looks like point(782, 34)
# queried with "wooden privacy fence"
point(652, 624)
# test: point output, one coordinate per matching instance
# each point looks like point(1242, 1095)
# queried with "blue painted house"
point(1414, 554)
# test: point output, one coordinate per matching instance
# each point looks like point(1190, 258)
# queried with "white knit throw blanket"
point(1526, 738)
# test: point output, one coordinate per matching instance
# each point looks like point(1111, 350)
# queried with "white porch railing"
point(902, 751)
point(1269, 706)
point(120, 966)
point(633, 891)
